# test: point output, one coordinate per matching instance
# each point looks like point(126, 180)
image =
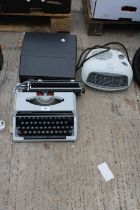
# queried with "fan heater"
point(108, 71)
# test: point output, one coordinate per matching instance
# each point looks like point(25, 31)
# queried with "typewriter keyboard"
point(51, 125)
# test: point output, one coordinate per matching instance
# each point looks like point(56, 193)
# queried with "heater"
point(107, 70)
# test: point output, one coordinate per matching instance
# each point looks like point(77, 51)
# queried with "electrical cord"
point(118, 43)
point(136, 66)
point(80, 63)
point(105, 47)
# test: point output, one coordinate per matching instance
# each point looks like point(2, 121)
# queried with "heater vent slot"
point(111, 81)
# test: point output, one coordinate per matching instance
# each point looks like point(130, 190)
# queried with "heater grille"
point(110, 81)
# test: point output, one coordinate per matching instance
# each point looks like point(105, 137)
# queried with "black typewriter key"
point(25, 132)
point(29, 132)
point(18, 132)
point(34, 132)
point(19, 118)
point(70, 132)
point(60, 132)
point(43, 132)
point(69, 118)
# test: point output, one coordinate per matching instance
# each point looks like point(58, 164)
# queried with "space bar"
point(45, 137)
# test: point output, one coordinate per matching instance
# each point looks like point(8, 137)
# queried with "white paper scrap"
point(105, 171)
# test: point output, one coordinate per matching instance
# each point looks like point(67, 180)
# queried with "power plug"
point(2, 125)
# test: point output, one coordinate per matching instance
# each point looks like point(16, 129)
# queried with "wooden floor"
point(64, 176)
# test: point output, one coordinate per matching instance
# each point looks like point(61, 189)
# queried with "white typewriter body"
point(24, 109)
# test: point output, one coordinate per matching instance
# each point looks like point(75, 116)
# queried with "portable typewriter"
point(46, 111)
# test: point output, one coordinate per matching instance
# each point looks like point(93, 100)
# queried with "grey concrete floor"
point(64, 176)
point(76, 5)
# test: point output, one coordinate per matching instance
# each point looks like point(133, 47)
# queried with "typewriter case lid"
point(48, 56)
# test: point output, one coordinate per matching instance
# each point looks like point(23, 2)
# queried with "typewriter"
point(45, 111)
